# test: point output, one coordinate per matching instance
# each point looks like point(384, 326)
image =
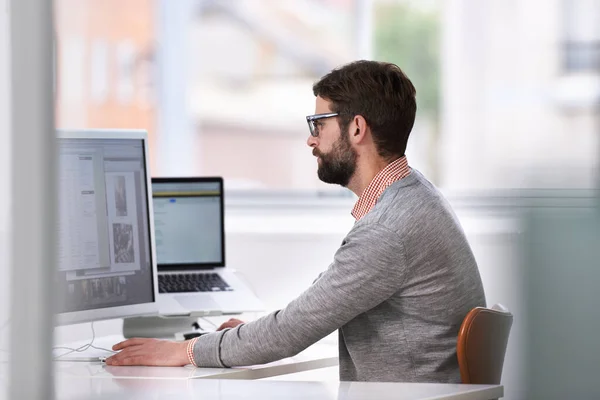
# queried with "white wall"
point(506, 119)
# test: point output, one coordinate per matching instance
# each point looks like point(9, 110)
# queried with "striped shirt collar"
point(393, 172)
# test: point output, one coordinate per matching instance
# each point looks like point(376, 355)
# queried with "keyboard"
point(181, 283)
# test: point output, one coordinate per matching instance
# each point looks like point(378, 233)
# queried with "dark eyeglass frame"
point(311, 119)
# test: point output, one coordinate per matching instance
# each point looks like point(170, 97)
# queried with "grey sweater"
point(398, 289)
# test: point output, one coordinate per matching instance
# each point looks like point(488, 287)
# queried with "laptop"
point(189, 228)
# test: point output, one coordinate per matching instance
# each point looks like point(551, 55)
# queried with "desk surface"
point(91, 388)
point(79, 380)
point(316, 356)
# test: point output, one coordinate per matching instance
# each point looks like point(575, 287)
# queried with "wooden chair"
point(481, 344)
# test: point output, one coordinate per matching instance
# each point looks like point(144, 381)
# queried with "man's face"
point(335, 156)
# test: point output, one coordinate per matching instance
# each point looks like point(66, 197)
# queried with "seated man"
point(402, 280)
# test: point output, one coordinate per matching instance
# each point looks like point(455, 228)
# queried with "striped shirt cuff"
point(190, 351)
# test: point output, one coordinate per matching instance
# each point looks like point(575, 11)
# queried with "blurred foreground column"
point(5, 169)
point(561, 265)
point(33, 191)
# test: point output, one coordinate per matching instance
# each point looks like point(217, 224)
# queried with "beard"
point(338, 166)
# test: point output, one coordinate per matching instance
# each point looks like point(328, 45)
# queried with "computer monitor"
point(105, 232)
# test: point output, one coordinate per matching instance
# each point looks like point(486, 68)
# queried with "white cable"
point(81, 348)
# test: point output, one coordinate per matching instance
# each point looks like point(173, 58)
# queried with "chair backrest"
point(481, 344)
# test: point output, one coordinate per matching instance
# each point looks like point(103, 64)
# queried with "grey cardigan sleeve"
point(367, 269)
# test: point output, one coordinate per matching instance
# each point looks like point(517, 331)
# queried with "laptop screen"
point(188, 222)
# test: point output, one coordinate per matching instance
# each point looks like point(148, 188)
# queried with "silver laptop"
point(189, 227)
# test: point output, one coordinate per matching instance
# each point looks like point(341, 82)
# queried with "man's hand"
point(150, 352)
point(232, 323)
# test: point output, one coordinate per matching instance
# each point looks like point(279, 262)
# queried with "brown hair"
point(378, 91)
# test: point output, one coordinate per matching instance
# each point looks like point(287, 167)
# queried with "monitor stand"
point(158, 326)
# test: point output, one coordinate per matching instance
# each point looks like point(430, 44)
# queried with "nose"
point(311, 141)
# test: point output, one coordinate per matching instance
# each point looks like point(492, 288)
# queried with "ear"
point(358, 129)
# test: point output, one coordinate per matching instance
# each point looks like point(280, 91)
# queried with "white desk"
point(92, 388)
point(316, 356)
point(78, 380)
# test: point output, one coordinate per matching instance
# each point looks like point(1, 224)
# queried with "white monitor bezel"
point(142, 309)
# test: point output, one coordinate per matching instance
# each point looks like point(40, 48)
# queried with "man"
point(402, 280)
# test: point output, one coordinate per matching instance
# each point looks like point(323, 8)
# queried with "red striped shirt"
point(190, 351)
point(393, 172)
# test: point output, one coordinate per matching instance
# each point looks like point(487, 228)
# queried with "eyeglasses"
point(313, 122)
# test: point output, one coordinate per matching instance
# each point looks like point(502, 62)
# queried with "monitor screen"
point(188, 220)
point(105, 257)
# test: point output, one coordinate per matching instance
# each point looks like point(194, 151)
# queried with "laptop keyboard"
point(178, 283)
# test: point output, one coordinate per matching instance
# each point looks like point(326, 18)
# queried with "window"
point(581, 36)
point(205, 75)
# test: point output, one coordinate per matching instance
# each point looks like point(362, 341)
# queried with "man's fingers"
point(150, 352)
point(114, 359)
point(137, 359)
point(223, 326)
point(129, 342)
point(232, 323)
point(125, 357)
